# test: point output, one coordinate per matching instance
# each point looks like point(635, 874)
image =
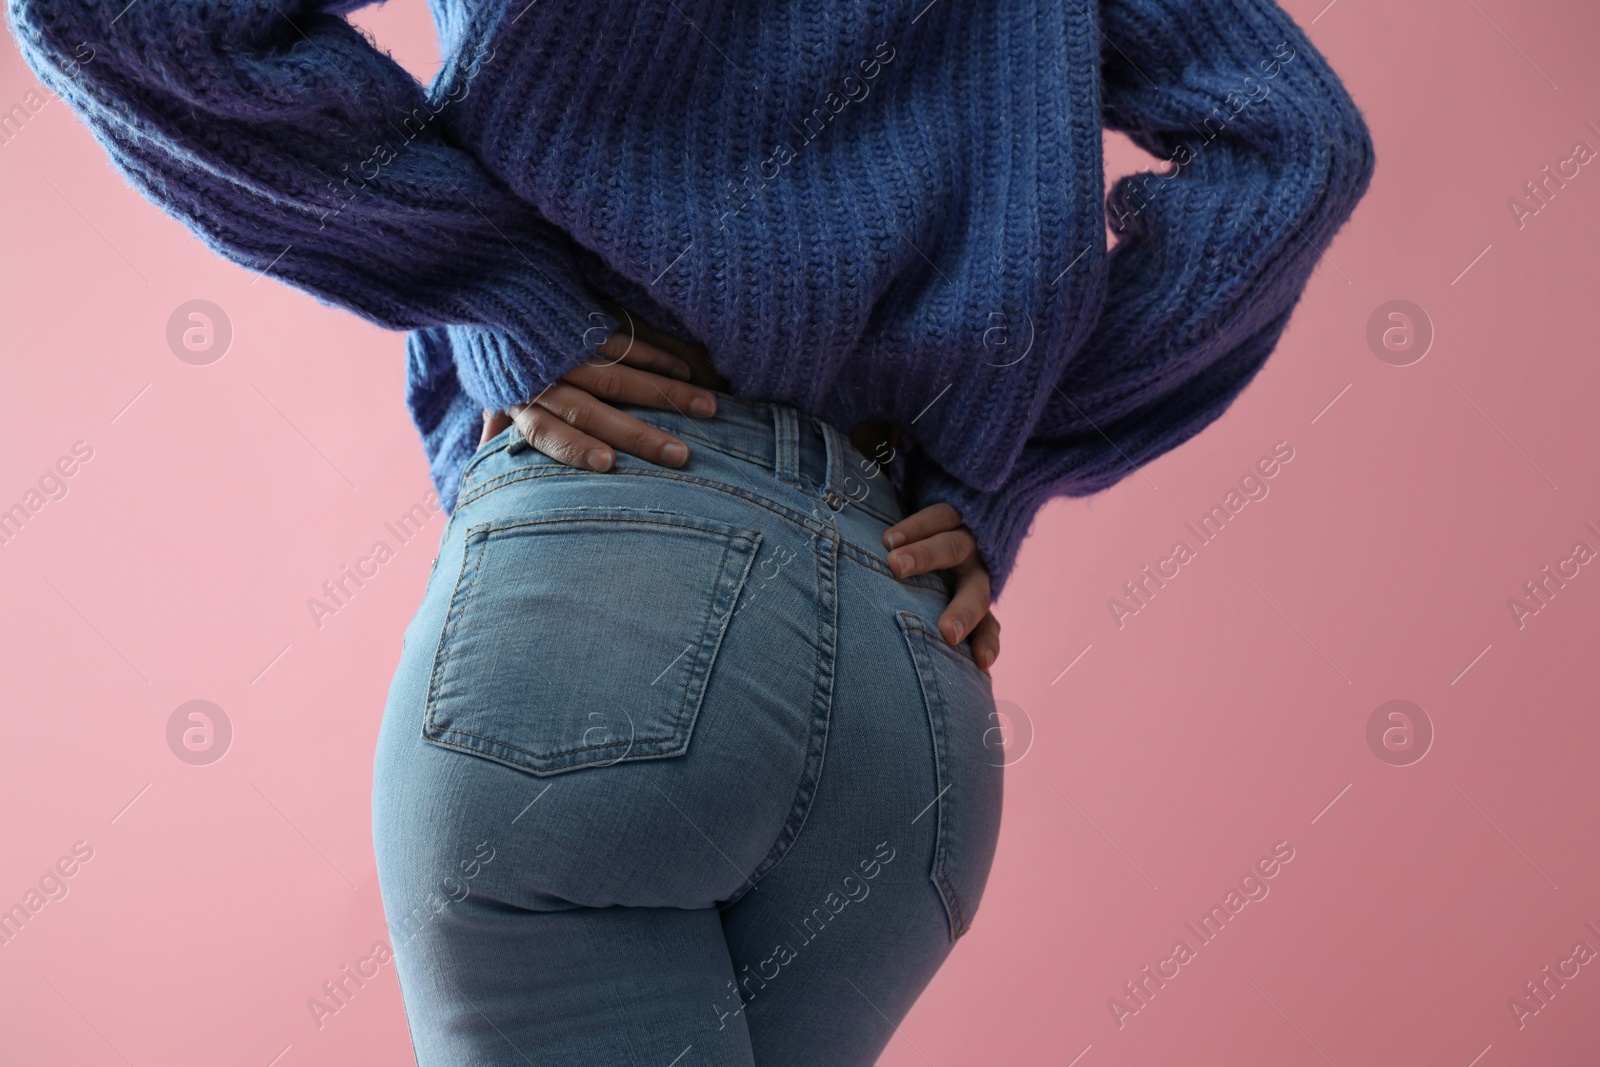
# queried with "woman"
point(745, 341)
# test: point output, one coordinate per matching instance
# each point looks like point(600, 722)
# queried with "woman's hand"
point(934, 539)
point(574, 422)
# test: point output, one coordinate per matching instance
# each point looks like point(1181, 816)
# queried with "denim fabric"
point(673, 771)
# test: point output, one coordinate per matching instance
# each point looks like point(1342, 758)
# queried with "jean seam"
point(852, 502)
point(874, 512)
point(934, 703)
point(551, 755)
point(500, 481)
point(921, 626)
point(480, 454)
point(773, 464)
point(856, 552)
point(731, 533)
point(714, 444)
point(473, 557)
point(871, 562)
point(821, 716)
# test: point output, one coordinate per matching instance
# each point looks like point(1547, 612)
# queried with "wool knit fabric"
point(868, 209)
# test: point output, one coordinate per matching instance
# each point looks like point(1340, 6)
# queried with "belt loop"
point(833, 477)
point(785, 444)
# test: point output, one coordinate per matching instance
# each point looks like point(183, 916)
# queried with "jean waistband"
point(825, 476)
point(799, 449)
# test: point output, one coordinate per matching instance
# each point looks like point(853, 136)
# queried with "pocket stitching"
point(723, 531)
point(472, 556)
point(933, 697)
point(440, 733)
point(938, 638)
point(725, 534)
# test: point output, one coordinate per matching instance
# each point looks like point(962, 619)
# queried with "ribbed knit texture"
point(867, 210)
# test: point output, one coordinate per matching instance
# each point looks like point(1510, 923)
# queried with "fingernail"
point(681, 373)
point(985, 658)
point(894, 539)
point(899, 564)
point(675, 453)
point(703, 406)
point(955, 633)
point(599, 459)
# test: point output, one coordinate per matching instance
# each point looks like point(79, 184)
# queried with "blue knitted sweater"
point(869, 209)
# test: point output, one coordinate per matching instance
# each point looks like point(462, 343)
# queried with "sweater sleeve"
point(279, 134)
point(1268, 157)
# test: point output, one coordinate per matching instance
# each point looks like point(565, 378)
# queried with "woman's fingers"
point(559, 439)
point(934, 539)
point(969, 604)
point(621, 384)
point(493, 423)
point(935, 518)
point(939, 552)
point(986, 641)
point(620, 348)
point(574, 420)
point(599, 421)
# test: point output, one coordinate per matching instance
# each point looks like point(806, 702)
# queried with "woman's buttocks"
point(622, 681)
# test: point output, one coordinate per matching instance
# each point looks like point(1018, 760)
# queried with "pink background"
point(1228, 715)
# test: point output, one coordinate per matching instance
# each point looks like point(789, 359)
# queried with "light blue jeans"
point(673, 770)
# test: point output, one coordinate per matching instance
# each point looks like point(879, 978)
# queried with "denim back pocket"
point(968, 771)
point(582, 637)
